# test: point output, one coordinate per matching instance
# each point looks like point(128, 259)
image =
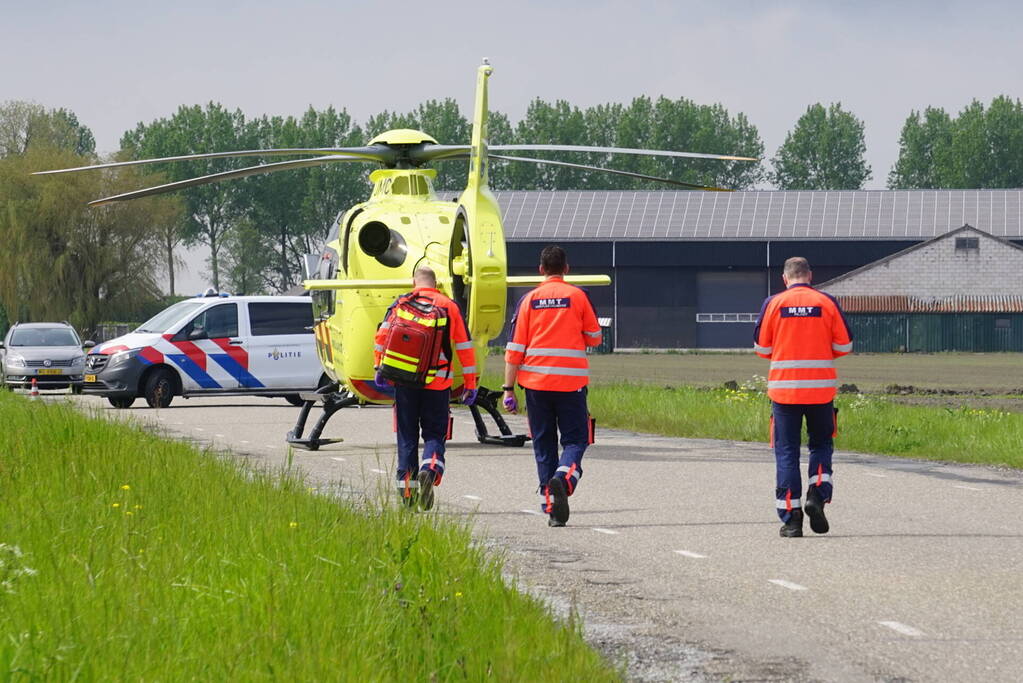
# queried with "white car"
point(214, 345)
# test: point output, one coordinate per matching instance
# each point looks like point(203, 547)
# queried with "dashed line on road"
point(875, 474)
point(601, 530)
point(904, 629)
point(377, 471)
point(688, 553)
point(199, 429)
point(269, 446)
point(243, 441)
point(471, 497)
point(219, 436)
point(967, 488)
point(338, 459)
point(531, 512)
point(788, 584)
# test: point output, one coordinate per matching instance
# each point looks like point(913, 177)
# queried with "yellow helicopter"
point(374, 247)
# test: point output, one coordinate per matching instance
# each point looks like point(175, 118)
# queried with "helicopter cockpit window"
point(213, 323)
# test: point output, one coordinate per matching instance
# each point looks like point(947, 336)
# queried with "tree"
point(196, 130)
point(25, 124)
point(65, 260)
point(825, 151)
point(979, 148)
point(924, 146)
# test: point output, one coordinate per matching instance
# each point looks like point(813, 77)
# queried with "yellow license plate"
point(90, 378)
point(50, 371)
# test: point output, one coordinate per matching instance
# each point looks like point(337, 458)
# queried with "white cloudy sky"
point(117, 62)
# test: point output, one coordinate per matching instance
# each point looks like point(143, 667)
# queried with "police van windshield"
point(164, 319)
point(44, 336)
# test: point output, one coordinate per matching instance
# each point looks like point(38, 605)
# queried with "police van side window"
point(268, 318)
point(213, 323)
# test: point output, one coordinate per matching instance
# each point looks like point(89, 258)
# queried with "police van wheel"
point(295, 400)
point(159, 389)
point(121, 402)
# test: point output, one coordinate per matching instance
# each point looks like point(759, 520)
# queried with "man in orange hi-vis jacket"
point(802, 331)
point(546, 354)
point(427, 407)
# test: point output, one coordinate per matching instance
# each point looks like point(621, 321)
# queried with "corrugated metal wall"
point(932, 332)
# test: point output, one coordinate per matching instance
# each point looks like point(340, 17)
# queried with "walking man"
point(423, 404)
point(552, 326)
point(802, 331)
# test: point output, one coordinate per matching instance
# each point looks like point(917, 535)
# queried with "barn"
point(690, 269)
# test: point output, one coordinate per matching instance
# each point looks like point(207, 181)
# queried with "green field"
point(124, 556)
point(954, 407)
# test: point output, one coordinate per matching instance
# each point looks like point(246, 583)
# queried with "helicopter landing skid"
point(487, 400)
point(333, 401)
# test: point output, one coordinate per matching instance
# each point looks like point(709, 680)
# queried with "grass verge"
point(126, 556)
point(868, 424)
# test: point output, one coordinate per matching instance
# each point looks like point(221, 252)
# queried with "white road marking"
point(219, 436)
point(875, 474)
point(179, 423)
point(532, 512)
point(601, 530)
point(968, 488)
point(270, 446)
point(902, 628)
point(338, 459)
point(199, 429)
point(687, 553)
point(471, 497)
point(243, 441)
point(788, 584)
point(378, 471)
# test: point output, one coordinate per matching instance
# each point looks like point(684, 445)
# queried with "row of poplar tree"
point(64, 260)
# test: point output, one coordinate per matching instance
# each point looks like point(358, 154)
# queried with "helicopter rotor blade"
point(428, 153)
point(226, 175)
point(377, 153)
point(616, 150)
point(612, 171)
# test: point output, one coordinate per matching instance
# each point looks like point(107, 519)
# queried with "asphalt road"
point(672, 551)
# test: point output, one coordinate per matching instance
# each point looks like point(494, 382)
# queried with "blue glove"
point(469, 396)
point(379, 380)
point(511, 404)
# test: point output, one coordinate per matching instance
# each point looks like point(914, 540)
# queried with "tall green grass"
point(126, 556)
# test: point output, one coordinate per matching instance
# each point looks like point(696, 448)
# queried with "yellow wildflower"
point(293, 525)
point(116, 505)
point(125, 488)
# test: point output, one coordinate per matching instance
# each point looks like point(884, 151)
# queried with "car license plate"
point(50, 371)
point(90, 378)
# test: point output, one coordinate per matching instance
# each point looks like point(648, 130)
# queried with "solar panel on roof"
point(775, 215)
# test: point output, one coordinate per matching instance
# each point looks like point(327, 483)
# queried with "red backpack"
point(415, 338)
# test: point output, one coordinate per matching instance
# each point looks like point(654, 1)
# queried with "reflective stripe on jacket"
point(802, 331)
point(552, 327)
point(461, 343)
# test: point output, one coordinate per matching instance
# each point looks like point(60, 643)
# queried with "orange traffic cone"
point(35, 389)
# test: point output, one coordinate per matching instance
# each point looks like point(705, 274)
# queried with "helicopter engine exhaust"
point(385, 245)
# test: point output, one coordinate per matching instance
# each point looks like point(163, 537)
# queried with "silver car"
point(50, 353)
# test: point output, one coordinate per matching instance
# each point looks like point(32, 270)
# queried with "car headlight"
point(78, 360)
point(15, 361)
point(123, 356)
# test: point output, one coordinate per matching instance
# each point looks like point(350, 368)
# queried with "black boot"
point(559, 501)
point(815, 510)
point(794, 527)
point(426, 479)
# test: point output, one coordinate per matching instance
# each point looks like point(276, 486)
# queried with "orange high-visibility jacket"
point(552, 327)
point(459, 339)
point(802, 331)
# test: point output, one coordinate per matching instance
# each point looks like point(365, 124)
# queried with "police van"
point(213, 345)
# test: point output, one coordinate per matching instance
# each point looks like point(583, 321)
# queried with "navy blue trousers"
point(786, 431)
point(426, 409)
point(551, 412)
